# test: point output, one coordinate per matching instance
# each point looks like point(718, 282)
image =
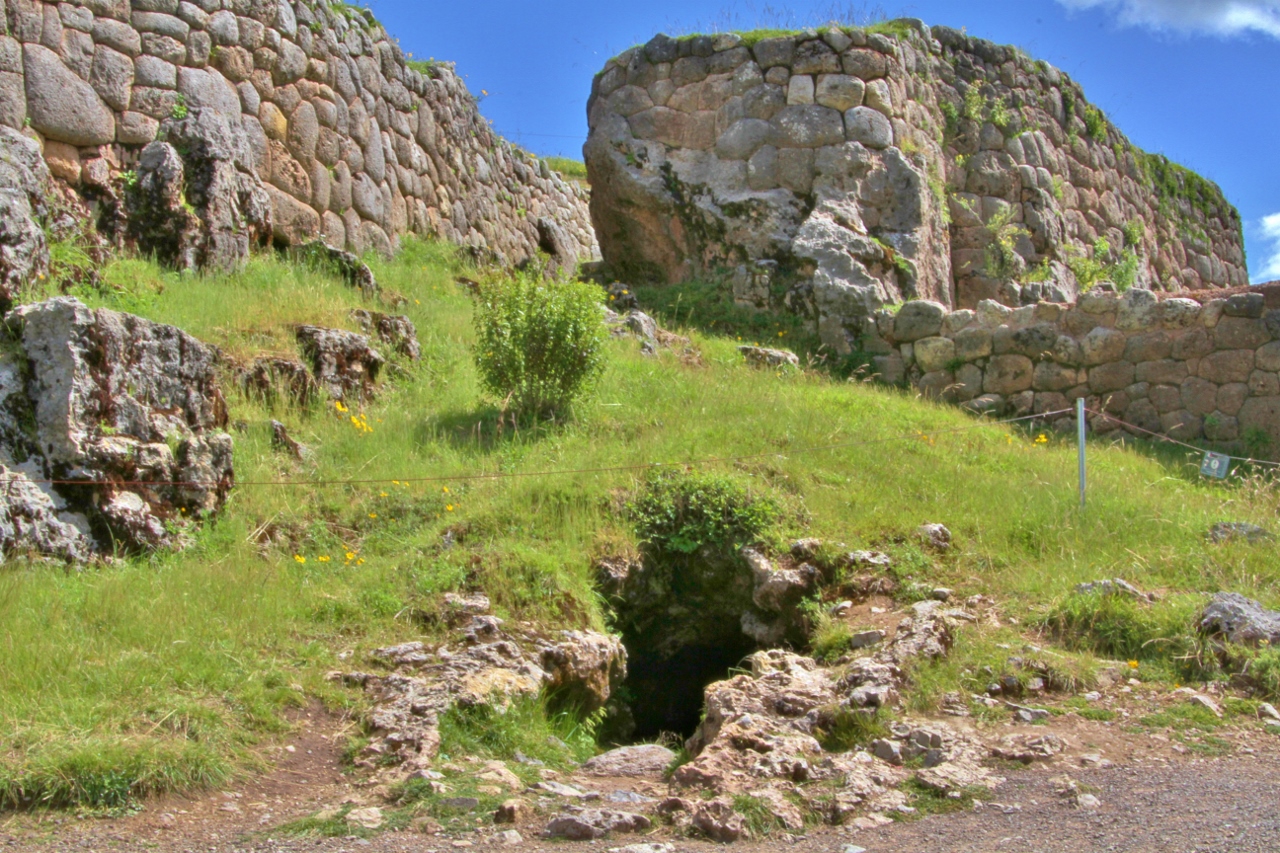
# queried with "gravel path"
point(1224, 805)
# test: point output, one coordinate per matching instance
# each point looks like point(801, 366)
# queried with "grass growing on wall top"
point(173, 671)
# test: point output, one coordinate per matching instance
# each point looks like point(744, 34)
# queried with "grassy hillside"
point(167, 672)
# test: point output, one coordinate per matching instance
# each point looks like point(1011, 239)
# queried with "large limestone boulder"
point(198, 203)
point(123, 415)
point(24, 183)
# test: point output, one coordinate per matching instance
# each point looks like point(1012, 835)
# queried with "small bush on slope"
point(539, 344)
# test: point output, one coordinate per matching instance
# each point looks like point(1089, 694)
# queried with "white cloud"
point(1221, 17)
point(1270, 232)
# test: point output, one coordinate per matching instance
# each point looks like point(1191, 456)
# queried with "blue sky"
point(1197, 80)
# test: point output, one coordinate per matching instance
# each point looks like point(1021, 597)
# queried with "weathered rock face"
point(108, 400)
point(347, 139)
point(197, 203)
point(1172, 366)
point(832, 173)
point(488, 665)
point(24, 182)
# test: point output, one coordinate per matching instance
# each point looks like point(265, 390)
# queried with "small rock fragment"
point(366, 818)
point(934, 536)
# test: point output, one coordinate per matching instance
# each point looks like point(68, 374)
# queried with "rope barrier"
point(1170, 440)
point(456, 478)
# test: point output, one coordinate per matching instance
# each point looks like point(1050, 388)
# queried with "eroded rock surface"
point(487, 664)
point(130, 407)
point(24, 183)
point(343, 363)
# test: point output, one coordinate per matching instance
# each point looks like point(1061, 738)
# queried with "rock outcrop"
point(118, 420)
point(275, 118)
point(24, 184)
point(1169, 366)
point(487, 665)
point(833, 173)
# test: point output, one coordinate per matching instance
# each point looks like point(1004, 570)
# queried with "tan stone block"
point(1233, 333)
point(1261, 414)
point(1102, 346)
point(1199, 396)
point(1227, 366)
point(1152, 346)
point(937, 385)
point(1181, 425)
point(934, 354)
point(1050, 401)
point(1166, 398)
point(63, 161)
point(1141, 413)
point(1264, 384)
point(1049, 376)
point(1111, 377)
point(274, 123)
point(1164, 372)
point(1231, 397)
point(1268, 357)
point(968, 383)
point(1008, 374)
point(1195, 343)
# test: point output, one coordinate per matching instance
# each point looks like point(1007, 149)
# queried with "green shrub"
point(682, 513)
point(1095, 121)
point(540, 344)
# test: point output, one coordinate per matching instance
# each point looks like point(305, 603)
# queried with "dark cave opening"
point(665, 692)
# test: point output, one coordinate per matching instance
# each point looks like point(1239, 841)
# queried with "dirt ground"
point(1155, 795)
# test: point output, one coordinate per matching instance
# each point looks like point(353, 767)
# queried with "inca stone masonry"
point(311, 100)
point(833, 173)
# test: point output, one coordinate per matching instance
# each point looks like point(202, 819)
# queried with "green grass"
point(172, 672)
point(570, 169)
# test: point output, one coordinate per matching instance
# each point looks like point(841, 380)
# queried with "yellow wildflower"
point(337, 404)
point(360, 562)
point(299, 558)
point(382, 494)
point(448, 508)
point(1042, 439)
point(322, 559)
point(1133, 664)
point(350, 556)
point(373, 515)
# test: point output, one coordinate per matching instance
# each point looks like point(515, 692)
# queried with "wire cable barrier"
point(454, 478)
point(1170, 440)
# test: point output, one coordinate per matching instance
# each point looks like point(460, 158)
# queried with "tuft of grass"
point(848, 729)
point(1120, 627)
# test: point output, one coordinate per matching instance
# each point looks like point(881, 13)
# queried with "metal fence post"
point(1081, 426)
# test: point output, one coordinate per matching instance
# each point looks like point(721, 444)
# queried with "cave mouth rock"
point(687, 620)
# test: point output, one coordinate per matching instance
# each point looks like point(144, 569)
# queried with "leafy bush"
point(540, 344)
point(681, 513)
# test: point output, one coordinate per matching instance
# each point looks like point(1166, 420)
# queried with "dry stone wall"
point(835, 172)
point(1180, 367)
point(351, 141)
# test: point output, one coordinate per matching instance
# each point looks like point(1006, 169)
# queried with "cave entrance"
point(666, 691)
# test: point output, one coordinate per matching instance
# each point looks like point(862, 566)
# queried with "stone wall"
point(352, 142)
point(834, 172)
point(1188, 369)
